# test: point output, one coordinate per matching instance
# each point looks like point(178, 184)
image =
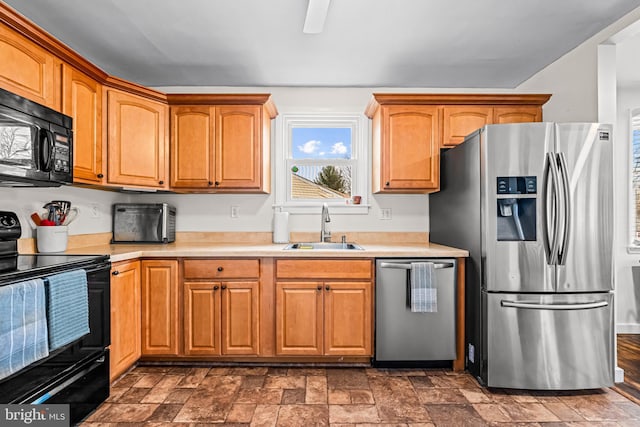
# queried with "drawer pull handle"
point(115, 273)
point(220, 268)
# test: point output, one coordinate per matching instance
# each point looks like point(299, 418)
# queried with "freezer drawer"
point(549, 342)
point(403, 336)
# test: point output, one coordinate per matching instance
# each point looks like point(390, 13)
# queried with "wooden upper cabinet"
point(192, 146)
point(221, 142)
point(410, 151)
point(238, 147)
point(460, 121)
point(517, 114)
point(27, 69)
point(137, 141)
point(160, 323)
point(408, 131)
point(82, 100)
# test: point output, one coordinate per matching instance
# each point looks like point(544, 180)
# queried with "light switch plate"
point(235, 211)
point(385, 213)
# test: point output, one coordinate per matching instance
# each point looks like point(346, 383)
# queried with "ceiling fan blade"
point(316, 15)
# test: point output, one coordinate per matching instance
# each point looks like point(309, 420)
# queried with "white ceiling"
point(368, 43)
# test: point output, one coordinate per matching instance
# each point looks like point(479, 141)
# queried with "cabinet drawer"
point(221, 268)
point(323, 269)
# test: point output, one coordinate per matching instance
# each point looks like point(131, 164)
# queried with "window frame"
point(360, 154)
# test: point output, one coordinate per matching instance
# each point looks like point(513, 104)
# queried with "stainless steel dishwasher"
point(407, 338)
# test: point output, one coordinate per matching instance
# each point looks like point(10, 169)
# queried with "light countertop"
point(123, 252)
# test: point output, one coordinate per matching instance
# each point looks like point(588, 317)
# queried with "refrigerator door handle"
point(562, 250)
point(407, 266)
point(550, 248)
point(536, 306)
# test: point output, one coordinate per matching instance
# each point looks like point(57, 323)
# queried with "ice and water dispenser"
point(516, 208)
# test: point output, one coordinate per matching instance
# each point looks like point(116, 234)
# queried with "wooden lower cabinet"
point(329, 316)
point(125, 347)
point(160, 321)
point(221, 306)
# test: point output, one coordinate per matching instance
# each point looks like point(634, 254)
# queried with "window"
point(635, 175)
point(322, 159)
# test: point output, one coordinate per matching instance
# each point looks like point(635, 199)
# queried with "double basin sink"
point(323, 245)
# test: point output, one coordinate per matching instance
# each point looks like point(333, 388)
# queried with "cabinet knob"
point(386, 184)
point(210, 183)
point(100, 176)
point(215, 288)
point(220, 268)
point(115, 273)
point(319, 288)
point(217, 183)
point(327, 287)
point(161, 182)
point(224, 287)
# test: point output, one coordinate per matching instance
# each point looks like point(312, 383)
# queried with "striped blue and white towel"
point(23, 326)
point(67, 307)
point(424, 295)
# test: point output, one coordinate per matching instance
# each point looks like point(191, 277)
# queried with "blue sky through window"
point(321, 143)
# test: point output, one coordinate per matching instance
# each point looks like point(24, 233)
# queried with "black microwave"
point(36, 144)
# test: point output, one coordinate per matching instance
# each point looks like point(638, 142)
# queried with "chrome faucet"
point(325, 234)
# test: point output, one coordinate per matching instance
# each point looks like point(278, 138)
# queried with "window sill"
point(633, 249)
point(317, 209)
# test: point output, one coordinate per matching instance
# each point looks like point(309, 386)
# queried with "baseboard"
point(619, 375)
point(628, 328)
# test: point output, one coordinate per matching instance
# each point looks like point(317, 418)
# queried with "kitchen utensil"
point(71, 215)
point(54, 210)
point(65, 205)
point(35, 218)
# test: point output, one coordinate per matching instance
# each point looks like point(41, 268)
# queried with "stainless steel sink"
point(323, 245)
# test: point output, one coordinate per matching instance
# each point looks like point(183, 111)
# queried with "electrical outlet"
point(385, 213)
point(235, 211)
point(94, 210)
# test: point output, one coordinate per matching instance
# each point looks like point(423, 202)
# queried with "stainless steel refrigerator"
point(533, 204)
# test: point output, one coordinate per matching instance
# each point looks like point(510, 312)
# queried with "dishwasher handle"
point(407, 266)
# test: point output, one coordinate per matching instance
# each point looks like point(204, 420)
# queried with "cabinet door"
point(192, 140)
point(137, 140)
point(410, 149)
point(202, 318)
point(517, 114)
point(460, 121)
point(347, 318)
point(27, 69)
point(299, 318)
point(160, 307)
point(238, 147)
point(240, 317)
point(125, 316)
point(82, 100)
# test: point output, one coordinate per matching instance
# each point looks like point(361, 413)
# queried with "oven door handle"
point(49, 394)
point(407, 266)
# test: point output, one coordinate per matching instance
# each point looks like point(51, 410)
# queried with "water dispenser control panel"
point(517, 185)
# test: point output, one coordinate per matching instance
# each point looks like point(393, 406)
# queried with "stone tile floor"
point(261, 396)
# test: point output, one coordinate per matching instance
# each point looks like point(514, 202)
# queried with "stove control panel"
point(9, 226)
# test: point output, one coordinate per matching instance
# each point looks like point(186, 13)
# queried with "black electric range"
point(78, 373)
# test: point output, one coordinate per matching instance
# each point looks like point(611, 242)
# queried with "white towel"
point(424, 296)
